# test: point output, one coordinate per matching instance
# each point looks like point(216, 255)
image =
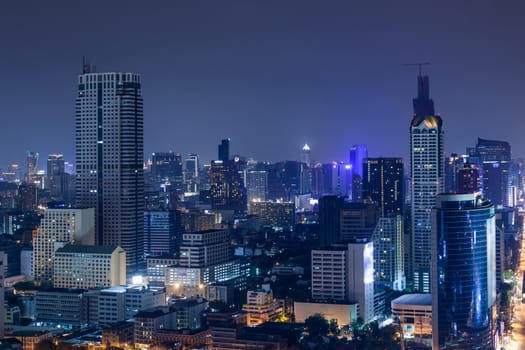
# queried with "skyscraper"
point(32, 165)
point(493, 158)
point(358, 153)
point(191, 173)
point(55, 174)
point(426, 171)
point(463, 271)
point(383, 183)
point(224, 150)
point(109, 158)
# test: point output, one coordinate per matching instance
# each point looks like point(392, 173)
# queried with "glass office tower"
point(463, 271)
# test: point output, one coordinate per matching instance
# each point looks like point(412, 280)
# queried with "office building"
point(358, 154)
point(279, 215)
point(357, 221)
point(84, 266)
point(58, 228)
point(389, 267)
point(224, 150)
point(189, 312)
point(162, 232)
point(453, 164)
point(55, 174)
point(468, 179)
point(109, 159)
point(227, 189)
point(427, 175)
point(414, 312)
point(191, 173)
point(156, 268)
point(493, 159)
point(31, 165)
point(345, 272)
point(256, 185)
point(205, 248)
point(66, 308)
point(463, 271)
point(261, 307)
point(166, 170)
point(383, 184)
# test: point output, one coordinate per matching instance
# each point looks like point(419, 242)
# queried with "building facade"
point(82, 266)
point(58, 228)
point(427, 179)
point(109, 158)
point(463, 271)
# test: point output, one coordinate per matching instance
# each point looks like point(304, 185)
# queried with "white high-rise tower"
point(427, 166)
point(109, 158)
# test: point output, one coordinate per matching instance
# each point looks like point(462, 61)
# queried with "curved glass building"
point(463, 271)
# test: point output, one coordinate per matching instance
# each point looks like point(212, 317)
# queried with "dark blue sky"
point(270, 75)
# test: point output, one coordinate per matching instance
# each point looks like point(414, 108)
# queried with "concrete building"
point(427, 167)
point(389, 267)
point(275, 214)
point(204, 248)
point(261, 307)
point(156, 267)
point(343, 313)
point(151, 320)
point(82, 266)
point(64, 308)
point(109, 158)
point(189, 312)
point(58, 228)
point(345, 273)
point(414, 312)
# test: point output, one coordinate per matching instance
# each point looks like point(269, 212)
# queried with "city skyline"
point(270, 76)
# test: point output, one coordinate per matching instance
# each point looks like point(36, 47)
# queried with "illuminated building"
point(61, 306)
point(452, 166)
point(389, 266)
point(468, 179)
point(58, 228)
point(463, 271)
point(383, 184)
point(109, 158)
point(414, 312)
point(205, 248)
point(166, 168)
point(191, 173)
point(227, 189)
point(358, 154)
point(427, 175)
point(493, 158)
point(84, 266)
point(162, 231)
point(27, 198)
point(256, 186)
point(275, 214)
point(345, 272)
point(55, 169)
point(32, 165)
point(261, 307)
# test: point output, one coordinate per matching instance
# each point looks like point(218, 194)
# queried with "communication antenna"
point(419, 65)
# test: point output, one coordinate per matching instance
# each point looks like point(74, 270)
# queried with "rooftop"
point(88, 249)
point(414, 299)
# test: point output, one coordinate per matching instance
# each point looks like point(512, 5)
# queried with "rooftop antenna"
point(419, 65)
point(86, 68)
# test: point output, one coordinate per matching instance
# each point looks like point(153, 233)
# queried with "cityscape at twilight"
point(262, 175)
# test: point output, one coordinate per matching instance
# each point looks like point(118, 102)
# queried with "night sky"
point(271, 75)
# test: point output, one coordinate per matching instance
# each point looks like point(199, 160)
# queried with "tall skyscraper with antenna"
point(109, 158)
point(427, 162)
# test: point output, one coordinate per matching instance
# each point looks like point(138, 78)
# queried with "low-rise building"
point(261, 307)
point(414, 312)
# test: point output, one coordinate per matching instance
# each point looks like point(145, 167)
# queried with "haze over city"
point(269, 75)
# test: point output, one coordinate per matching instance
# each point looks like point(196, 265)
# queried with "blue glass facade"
point(463, 258)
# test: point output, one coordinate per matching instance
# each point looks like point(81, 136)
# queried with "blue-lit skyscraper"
point(358, 153)
point(426, 173)
point(463, 270)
